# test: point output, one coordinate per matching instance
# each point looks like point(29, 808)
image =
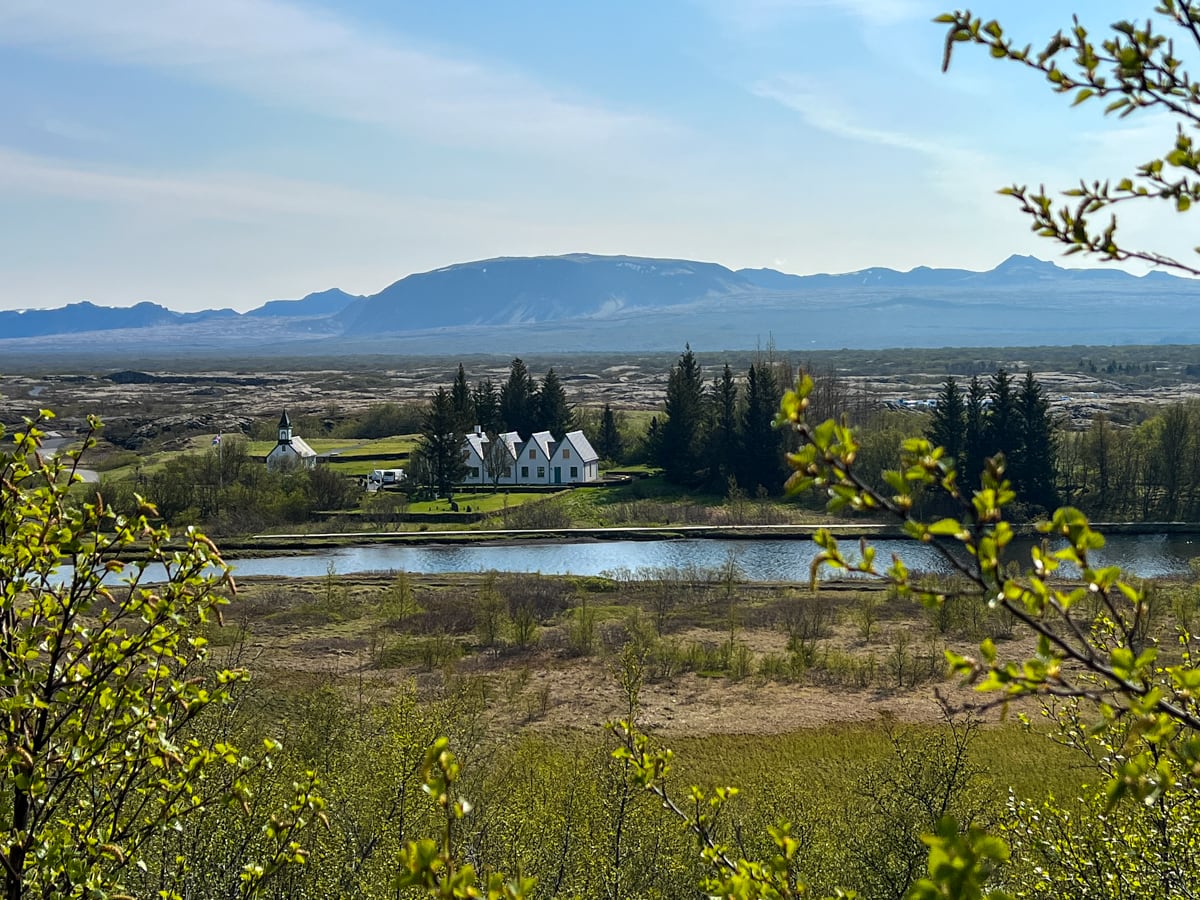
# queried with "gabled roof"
point(512, 440)
point(302, 448)
point(583, 448)
point(476, 442)
point(544, 441)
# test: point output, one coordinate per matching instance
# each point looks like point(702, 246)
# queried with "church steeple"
point(285, 429)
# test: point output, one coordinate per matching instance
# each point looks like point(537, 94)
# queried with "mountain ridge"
point(632, 302)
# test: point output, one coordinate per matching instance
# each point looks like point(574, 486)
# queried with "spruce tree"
point(652, 442)
point(681, 436)
point(1033, 468)
point(726, 428)
point(554, 413)
point(974, 439)
point(948, 429)
point(608, 443)
point(441, 442)
point(487, 405)
point(518, 410)
point(461, 400)
point(762, 463)
point(1002, 431)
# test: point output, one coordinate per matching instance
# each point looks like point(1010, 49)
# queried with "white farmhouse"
point(475, 457)
point(507, 460)
point(291, 451)
point(533, 460)
point(490, 461)
point(574, 460)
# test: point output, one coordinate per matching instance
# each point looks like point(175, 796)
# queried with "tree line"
point(720, 434)
point(521, 404)
point(1144, 472)
point(1001, 417)
point(1148, 471)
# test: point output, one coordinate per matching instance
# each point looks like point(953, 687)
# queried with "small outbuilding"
point(291, 451)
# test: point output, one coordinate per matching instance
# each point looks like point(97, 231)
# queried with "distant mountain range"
point(585, 302)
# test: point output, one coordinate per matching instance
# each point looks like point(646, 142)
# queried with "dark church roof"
point(284, 421)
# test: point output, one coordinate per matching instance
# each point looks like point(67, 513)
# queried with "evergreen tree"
point(518, 396)
point(608, 442)
point(487, 405)
point(554, 413)
point(1035, 462)
point(462, 401)
point(441, 443)
point(974, 443)
point(652, 442)
point(948, 429)
point(762, 463)
point(725, 438)
point(681, 441)
point(1002, 429)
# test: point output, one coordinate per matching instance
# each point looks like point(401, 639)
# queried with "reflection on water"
point(1146, 556)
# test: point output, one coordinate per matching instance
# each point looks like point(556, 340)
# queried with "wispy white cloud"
point(214, 196)
point(292, 56)
point(814, 104)
point(948, 178)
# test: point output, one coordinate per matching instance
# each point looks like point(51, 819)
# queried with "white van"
point(381, 477)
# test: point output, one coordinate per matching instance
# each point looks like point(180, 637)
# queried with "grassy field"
point(346, 448)
point(718, 656)
point(846, 740)
point(480, 503)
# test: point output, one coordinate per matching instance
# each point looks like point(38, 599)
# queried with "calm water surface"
point(1147, 556)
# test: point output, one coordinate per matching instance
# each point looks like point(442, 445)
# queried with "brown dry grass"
point(303, 631)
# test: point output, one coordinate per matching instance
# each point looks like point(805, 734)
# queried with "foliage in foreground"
point(105, 685)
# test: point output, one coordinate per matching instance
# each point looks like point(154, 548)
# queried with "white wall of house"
point(538, 460)
point(474, 449)
point(477, 449)
point(533, 459)
point(574, 461)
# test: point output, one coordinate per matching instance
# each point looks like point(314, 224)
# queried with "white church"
point(291, 451)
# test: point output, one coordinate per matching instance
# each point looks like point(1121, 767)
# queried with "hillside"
point(588, 302)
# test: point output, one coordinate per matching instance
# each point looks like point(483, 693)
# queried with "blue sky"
point(229, 152)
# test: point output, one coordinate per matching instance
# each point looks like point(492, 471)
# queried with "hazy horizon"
point(239, 151)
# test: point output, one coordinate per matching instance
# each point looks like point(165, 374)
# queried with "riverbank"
point(235, 548)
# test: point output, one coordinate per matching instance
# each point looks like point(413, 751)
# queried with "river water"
point(1147, 556)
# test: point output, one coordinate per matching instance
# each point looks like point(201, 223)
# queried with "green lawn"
point(487, 503)
point(400, 443)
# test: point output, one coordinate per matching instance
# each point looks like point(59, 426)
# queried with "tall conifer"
point(948, 428)
point(761, 444)
point(554, 413)
point(608, 443)
point(974, 439)
point(461, 400)
point(1035, 461)
point(681, 436)
point(517, 400)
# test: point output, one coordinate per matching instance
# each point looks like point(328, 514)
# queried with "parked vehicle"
point(380, 477)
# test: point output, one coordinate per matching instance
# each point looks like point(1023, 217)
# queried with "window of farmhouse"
point(524, 471)
point(566, 452)
point(541, 472)
point(574, 471)
point(474, 470)
point(532, 453)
